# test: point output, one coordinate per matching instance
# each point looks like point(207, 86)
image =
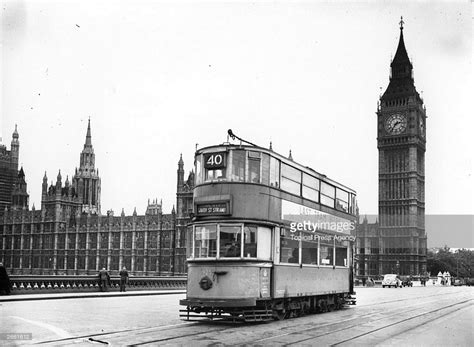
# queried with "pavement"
point(54, 296)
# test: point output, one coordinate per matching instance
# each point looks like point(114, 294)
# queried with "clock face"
point(396, 124)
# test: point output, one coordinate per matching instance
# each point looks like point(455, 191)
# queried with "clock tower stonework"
point(401, 141)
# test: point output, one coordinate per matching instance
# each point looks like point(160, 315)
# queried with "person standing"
point(104, 280)
point(123, 279)
point(4, 281)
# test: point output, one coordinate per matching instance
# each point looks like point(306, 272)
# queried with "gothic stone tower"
point(401, 142)
point(8, 170)
point(86, 181)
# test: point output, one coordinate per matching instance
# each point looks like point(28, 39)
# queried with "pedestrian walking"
point(123, 279)
point(104, 280)
point(4, 281)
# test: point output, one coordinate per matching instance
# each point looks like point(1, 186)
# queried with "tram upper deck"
point(247, 182)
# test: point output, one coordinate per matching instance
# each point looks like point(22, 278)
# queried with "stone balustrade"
point(24, 284)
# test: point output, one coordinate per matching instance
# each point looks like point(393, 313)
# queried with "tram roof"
point(290, 162)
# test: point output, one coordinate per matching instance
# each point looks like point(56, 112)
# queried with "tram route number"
point(218, 208)
point(215, 160)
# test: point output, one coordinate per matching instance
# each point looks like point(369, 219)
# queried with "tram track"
point(180, 333)
point(326, 325)
point(347, 328)
point(233, 328)
point(102, 334)
point(387, 314)
point(406, 320)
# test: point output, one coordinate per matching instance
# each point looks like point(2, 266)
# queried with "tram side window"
point(328, 194)
point(274, 172)
point(230, 241)
point(342, 200)
point(309, 251)
point(250, 241)
point(290, 179)
point(189, 242)
point(254, 167)
point(326, 253)
point(310, 187)
point(238, 166)
point(341, 253)
point(289, 247)
point(205, 243)
point(265, 169)
point(198, 169)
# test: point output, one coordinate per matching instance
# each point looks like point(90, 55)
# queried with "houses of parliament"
point(70, 236)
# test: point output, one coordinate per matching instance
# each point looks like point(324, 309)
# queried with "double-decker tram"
point(270, 238)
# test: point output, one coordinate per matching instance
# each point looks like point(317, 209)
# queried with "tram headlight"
point(205, 283)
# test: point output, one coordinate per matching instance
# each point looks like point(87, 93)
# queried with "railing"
point(24, 284)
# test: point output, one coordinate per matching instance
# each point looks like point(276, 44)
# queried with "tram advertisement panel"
point(304, 218)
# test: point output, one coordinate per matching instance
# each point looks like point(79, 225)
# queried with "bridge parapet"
point(28, 284)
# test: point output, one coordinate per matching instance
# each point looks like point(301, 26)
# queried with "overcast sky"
point(156, 78)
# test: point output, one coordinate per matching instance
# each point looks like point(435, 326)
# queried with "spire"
point(88, 135)
point(21, 174)
point(290, 156)
point(15, 133)
point(401, 77)
point(271, 147)
point(401, 56)
point(181, 162)
point(45, 178)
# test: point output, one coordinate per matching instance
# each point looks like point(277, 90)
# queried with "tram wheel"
point(279, 314)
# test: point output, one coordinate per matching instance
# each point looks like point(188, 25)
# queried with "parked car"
point(391, 280)
point(469, 281)
point(458, 282)
point(406, 281)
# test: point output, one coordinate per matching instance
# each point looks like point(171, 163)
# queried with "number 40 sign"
point(215, 160)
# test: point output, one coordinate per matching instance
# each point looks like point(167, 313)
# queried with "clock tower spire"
point(401, 141)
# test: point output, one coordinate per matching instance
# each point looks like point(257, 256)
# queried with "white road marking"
point(58, 331)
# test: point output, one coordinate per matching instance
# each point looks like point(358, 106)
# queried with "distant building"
point(396, 243)
point(68, 235)
point(9, 174)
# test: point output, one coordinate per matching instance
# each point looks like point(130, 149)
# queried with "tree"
point(458, 264)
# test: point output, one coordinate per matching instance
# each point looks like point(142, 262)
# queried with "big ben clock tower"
point(401, 141)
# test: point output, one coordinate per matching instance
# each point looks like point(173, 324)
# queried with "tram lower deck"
point(258, 291)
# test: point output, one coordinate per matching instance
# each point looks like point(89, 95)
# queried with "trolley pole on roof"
point(233, 137)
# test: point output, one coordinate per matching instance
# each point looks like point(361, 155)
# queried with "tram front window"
point(214, 174)
point(250, 241)
point(230, 241)
point(205, 244)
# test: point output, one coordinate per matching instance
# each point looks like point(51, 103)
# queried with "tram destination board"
point(209, 209)
point(215, 160)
